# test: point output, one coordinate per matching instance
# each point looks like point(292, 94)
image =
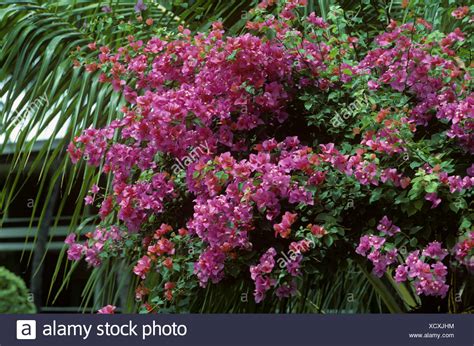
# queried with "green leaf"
point(431, 187)
point(270, 34)
point(232, 56)
point(375, 195)
point(418, 204)
point(328, 240)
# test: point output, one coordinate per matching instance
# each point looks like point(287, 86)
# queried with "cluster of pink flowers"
point(256, 185)
point(464, 251)
point(455, 183)
point(366, 171)
point(428, 279)
point(407, 66)
point(460, 12)
point(373, 247)
point(284, 227)
point(157, 246)
point(92, 248)
point(143, 267)
point(219, 85)
point(108, 310)
point(386, 226)
point(95, 143)
point(260, 274)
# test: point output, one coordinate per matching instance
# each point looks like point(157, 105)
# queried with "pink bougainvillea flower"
point(435, 250)
point(89, 200)
point(284, 227)
point(94, 189)
point(140, 6)
point(75, 252)
point(70, 239)
point(386, 226)
point(108, 309)
point(460, 12)
point(143, 267)
point(317, 230)
point(433, 198)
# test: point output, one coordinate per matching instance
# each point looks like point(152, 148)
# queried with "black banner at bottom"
point(238, 329)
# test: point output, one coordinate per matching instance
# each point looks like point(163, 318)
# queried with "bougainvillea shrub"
point(272, 155)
